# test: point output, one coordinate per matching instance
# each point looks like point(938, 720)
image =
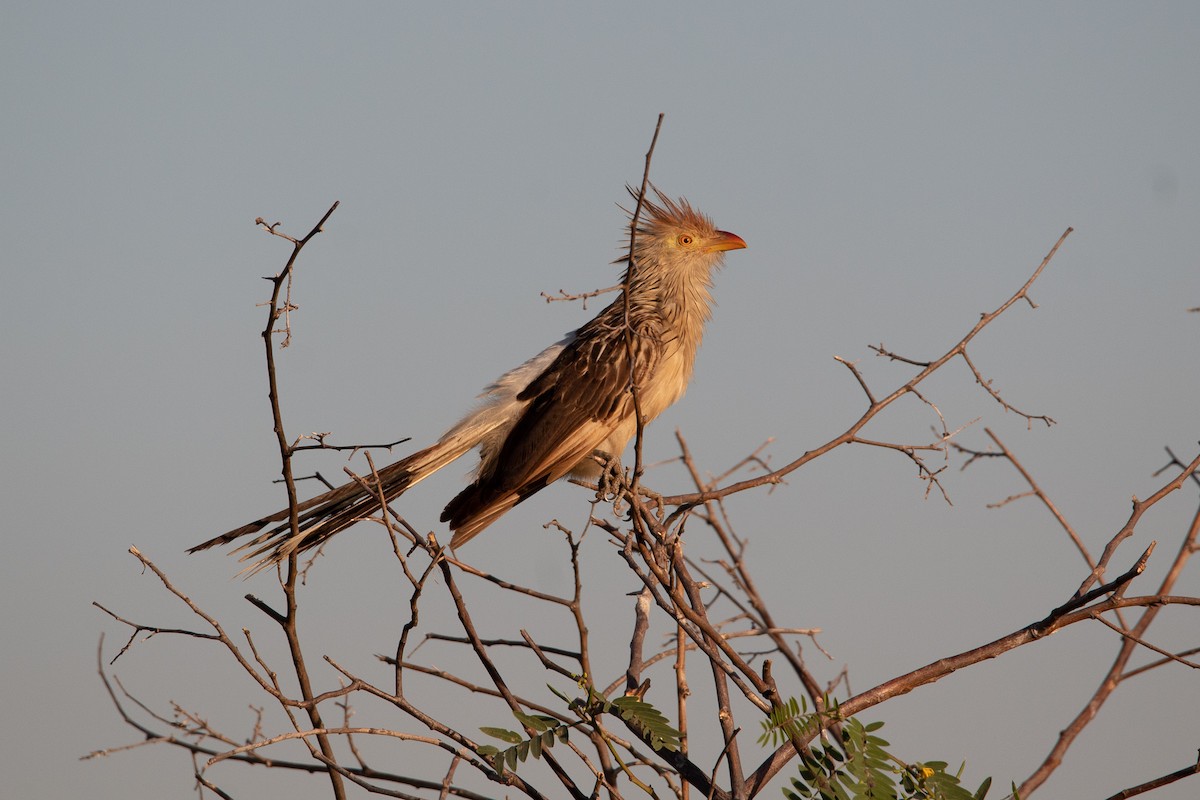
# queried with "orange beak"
point(724, 240)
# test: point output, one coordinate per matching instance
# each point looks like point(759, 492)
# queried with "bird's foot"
point(613, 484)
point(656, 499)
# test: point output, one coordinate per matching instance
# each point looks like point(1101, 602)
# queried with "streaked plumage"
point(544, 420)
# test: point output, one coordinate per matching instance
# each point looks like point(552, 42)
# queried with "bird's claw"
point(613, 484)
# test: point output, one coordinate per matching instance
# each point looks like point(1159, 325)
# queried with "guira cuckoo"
point(548, 417)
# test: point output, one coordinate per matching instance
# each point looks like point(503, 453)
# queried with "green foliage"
point(644, 716)
point(856, 765)
point(654, 725)
point(547, 730)
point(791, 720)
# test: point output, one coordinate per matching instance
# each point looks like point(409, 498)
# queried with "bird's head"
point(672, 234)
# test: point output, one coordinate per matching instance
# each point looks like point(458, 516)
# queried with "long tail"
point(328, 514)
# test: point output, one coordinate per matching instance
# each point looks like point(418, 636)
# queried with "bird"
point(565, 412)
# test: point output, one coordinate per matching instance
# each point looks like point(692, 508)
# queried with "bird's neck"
point(680, 299)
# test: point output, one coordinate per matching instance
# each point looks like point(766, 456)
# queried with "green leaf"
point(538, 722)
point(982, 791)
point(504, 735)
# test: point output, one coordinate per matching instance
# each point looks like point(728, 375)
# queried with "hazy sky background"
point(896, 170)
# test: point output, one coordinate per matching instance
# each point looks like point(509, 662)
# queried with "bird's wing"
point(573, 407)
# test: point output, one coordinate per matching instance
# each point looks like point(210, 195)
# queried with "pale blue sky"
point(896, 170)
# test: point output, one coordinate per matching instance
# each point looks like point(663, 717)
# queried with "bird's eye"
point(685, 239)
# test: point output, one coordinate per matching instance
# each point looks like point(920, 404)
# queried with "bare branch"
point(584, 296)
point(1164, 780)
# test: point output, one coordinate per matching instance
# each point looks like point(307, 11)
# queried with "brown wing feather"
point(573, 408)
